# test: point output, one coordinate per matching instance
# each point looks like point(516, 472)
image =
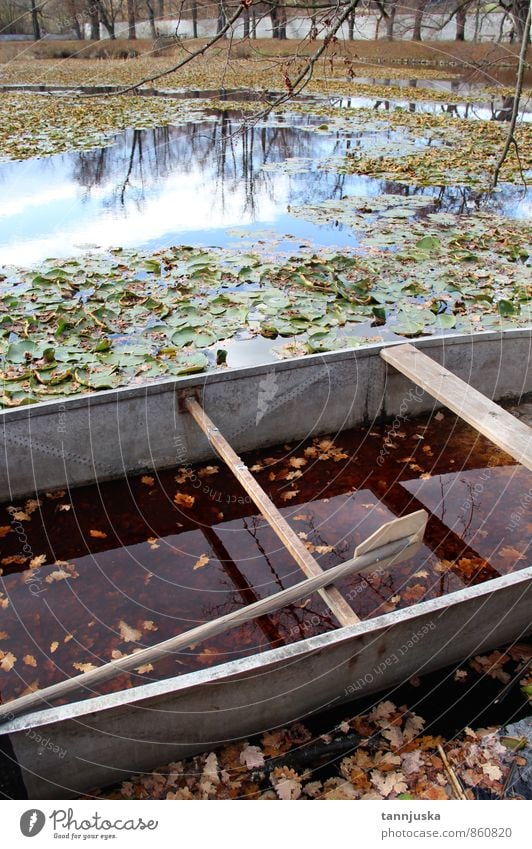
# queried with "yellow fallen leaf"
point(84, 667)
point(201, 561)
point(128, 634)
point(98, 534)
point(208, 470)
point(147, 480)
point(183, 500)
point(287, 496)
point(29, 660)
point(148, 625)
point(35, 562)
point(54, 646)
point(64, 507)
point(7, 661)
point(146, 667)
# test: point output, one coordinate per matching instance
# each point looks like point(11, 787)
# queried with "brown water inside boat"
point(101, 570)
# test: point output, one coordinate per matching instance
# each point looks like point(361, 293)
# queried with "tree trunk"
point(246, 22)
point(221, 17)
point(418, 19)
point(461, 13)
point(519, 14)
point(161, 9)
point(151, 18)
point(351, 26)
point(94, 18)
point(390, 23)
point(78, 29)
point(131, 20)
point(194, 19)
point(278, 17)
point(253, 23)
point(107, 22)
point(35, 22)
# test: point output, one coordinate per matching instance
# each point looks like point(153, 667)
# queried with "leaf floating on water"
point(29, 660)
point(84, 667)
point(7, 660)
point(202, 561)
point(127, 633)
point(54, 646)
point(37, 561)
point(147, 480)
point(5, 530)
point(287, 496)
point(95, 534)
point(146, 667)
point(183, 500)
point(148, 625)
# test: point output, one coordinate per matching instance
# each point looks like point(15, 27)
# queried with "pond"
point(212, 183)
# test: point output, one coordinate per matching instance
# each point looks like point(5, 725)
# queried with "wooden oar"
point(304, 559)
point(393, 542)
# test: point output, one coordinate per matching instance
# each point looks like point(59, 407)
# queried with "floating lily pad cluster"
point(103, 321)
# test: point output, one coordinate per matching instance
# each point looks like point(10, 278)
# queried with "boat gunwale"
point(261, 661)
point(195, 381)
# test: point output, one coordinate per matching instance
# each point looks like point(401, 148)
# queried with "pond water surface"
point(210, 183)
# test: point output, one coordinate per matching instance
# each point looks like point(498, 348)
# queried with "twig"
point(510, 138)
point(455, 784)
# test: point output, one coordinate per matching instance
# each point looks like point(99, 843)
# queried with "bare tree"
point(131, 19)
point(419, 6)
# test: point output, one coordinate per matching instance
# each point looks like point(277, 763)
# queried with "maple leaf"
point(183, 500)
point(297, 462)
point(7, 661)
point(286, 782)
point(95, 534)
point(147, 480)
point(128, 634)
point(202, 560)
point(251, 757)
point(388, 783)
point(29, 660)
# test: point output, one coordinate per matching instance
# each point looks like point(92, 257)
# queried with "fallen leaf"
point(54, 646)
point(5, 530)
point(388, 783)
point(147, 480)
point(287, 496)
point(128, 634)
point(251, 757)
point(98, 534)
point(286, 782)
point(35, 562)
point(7, 660)
point(183, 500)
point(146, 667)
point(29, 660)
point(84, 667)
point(200, 562)
point(148, 625)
